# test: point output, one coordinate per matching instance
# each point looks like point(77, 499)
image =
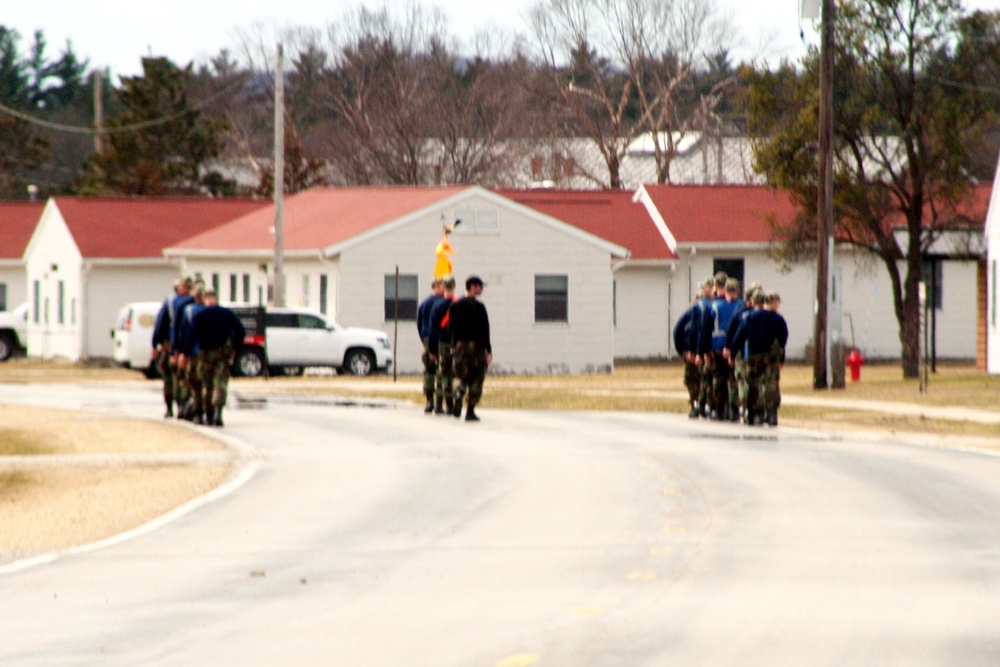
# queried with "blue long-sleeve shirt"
point(715, 321)
point(760, 330)
point(185, 329)
point(440, 329)
point(424, 315)
point(682, 330)
point(212, 326)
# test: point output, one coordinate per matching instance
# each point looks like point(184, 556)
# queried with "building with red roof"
point(86, 257)
point(17, 222)
point(549, 287)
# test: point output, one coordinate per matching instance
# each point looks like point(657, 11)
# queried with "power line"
point(83, 129)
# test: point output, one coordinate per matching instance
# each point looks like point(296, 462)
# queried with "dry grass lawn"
point(46, 508)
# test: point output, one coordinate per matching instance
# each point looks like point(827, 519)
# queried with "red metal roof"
point(610, 215)
point(136, 228)
point(320, 217)
point(17, 223)
point(720, 213)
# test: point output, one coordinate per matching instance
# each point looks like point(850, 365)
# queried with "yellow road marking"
point(673, 530)
point(659, 551)
point(642, 576)
point(588, 611)
point(518, 660)
point(670, 491)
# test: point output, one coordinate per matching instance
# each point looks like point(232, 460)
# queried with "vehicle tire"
point(249, 362)
point(359, 362)
point(6, 346)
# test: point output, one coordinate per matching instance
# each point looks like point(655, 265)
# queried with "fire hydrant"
point(855, 361)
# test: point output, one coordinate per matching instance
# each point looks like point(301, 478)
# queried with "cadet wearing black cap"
point(471, 348)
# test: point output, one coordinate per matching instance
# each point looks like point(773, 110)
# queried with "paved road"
point(382, 537)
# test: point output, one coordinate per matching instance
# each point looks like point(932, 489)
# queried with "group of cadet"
point(455, 333)
point(733, 350)
point(194, 343)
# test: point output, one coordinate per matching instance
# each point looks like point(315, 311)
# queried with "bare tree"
point(646, 81)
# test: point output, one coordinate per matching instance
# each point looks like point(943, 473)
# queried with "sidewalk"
point(949, 413)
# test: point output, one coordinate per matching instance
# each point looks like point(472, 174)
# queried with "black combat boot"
point(218, 416)
point(772, 417)
point(438, 406)
point(695, 413)
point(209, 415)
point(470, 414)
point(456, 409)
point(734, 413)
point(199, 416)
point(429, 407)
point(170, 410)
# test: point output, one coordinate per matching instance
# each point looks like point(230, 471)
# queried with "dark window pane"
point(551, 299)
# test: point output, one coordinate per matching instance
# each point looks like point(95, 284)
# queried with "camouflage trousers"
point(470, 370)
point(445, 373)
point(705, 381)
point(195, 381)
point(692, 380)
point(167, 370)
point(215, 372)
point(763, 382)
point(721, 373)
point(740, 378)
point(430, 370)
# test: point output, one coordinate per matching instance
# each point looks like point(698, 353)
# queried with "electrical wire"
point(82, 129)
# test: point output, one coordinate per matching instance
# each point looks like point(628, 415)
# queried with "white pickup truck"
point(13, 331)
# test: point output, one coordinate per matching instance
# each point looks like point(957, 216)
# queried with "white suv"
point(295, 339)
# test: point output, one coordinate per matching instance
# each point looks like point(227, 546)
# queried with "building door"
point(732, 267)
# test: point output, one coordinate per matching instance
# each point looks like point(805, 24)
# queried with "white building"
point(17, 223)
point(549, 286)
point(88, 257)
point(991, 319)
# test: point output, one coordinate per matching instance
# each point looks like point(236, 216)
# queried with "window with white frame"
point(551, 298)
point(405, 307)
point(478, 221)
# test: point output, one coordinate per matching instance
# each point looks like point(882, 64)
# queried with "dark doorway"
point(732, 268)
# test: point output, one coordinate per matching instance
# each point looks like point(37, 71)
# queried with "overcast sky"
point(117, 33)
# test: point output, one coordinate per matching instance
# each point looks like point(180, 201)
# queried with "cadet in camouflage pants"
point(705, 384)
point(167, 371)
point(444, 375)
point(763, 391)
point(215, 372)
point(692, 379)
point(470, 371)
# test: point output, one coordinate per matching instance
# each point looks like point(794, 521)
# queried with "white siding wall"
point(12, 274)
point(295, 270)
point(111, 287)
point(508, 262)
point(644, 316)
point(52, 259)
point(867, 313)
point(796, 287)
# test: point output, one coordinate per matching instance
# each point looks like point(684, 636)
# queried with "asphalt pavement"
point(372, 535)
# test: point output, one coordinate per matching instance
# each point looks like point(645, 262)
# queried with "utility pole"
point(98, 111)
point(824, 229)
point(279, 180)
